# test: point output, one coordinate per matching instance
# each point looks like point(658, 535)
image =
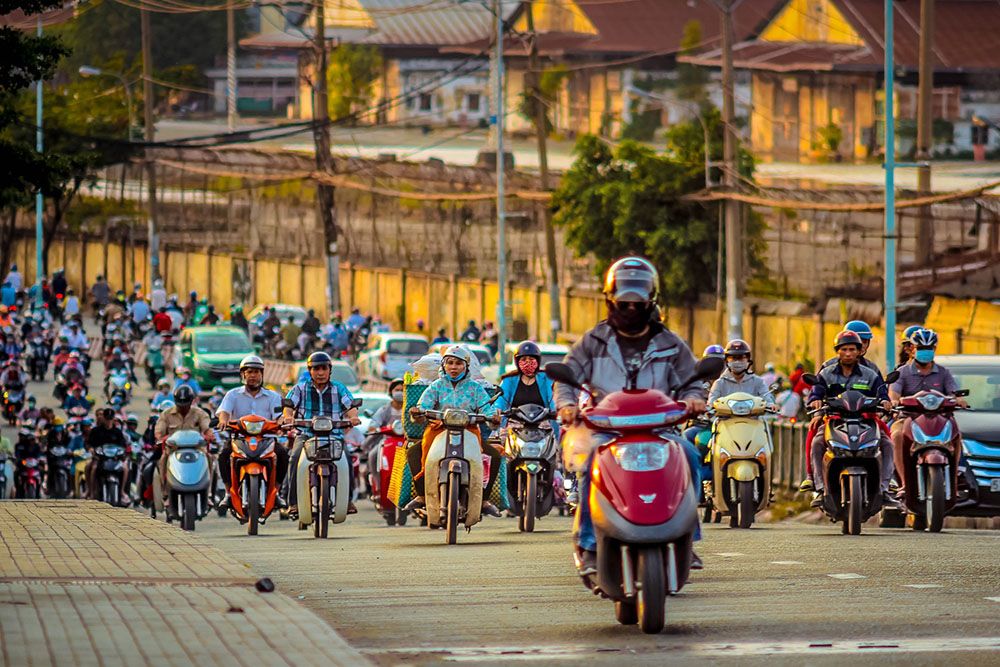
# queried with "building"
point(817, 78)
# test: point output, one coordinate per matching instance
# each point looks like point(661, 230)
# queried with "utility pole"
point(324, 163)
point(231, 68)
point(39, 200)
point(491, 85)
point(890, 193)
point(501, 208)
point(541, 132)
point(925, 131)
point(734, 232)
point(147, 115)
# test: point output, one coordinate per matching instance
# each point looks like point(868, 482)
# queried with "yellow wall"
point(761, 125)
point(811, 21)
point(597, 99)
point(557, 16)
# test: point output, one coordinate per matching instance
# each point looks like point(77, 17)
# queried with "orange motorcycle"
point(253, 491)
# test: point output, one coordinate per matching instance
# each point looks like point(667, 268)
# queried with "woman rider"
point(527, 382)
point(457, 390)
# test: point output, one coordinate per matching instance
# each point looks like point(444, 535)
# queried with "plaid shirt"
point(333, 401)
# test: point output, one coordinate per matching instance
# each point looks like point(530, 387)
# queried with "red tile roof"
point(19, 20)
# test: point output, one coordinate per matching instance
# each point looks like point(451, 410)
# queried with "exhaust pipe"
point(628, 580)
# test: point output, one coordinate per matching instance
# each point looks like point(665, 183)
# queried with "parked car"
point(371, 402)
point(550, 352)
point(979, 468)
point(284, 310)
point(214, 353)
point(481, 351)
point(389, 355)
point(340, 371)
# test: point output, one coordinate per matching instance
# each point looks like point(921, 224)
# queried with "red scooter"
point(392, 443)
point(644, 506)
point(927, 449)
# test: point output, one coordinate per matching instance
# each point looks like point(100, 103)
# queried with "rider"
point(384, 416)
point(865, 334)
point(162, 393)
point(738, 376)
point(215, 400)
point(29, 412)
point(104, 432)
point(455, 389)
point(630, 337)
point(250, 399)
point(320, 396)
point(527, 381)
point(76, 399)
point(184, 416)
point(906, 345)
point(185, 379)
point(850, 373)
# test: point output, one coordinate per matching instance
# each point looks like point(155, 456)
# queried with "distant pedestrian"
point(71, 305)
point(158, 297)
point(100, 293)
point(14, 278)
point(441, 337)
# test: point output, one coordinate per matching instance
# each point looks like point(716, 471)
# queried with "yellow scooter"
point(741, 458)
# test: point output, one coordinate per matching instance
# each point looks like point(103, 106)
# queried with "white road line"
point(787, 562)
point(923, 585)
point(847, 575)
point(729, 554)
point(996, 599)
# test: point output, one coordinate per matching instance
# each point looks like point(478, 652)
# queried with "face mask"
point(629, 320)
point(738, 366)
point(397, 396)
point(924, 356)
point(527, 365)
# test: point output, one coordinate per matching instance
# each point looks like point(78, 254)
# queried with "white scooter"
point(323, 474)
point(188, 477)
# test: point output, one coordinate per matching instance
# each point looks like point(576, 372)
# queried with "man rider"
point(738, 376)
point(105, 433)
point(318, 397)
point(184, 416)
point(631, 337)
point(849, 373)
point(865, 334)
point(250, 399)
point(471, 333)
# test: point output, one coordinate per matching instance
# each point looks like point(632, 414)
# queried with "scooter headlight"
point(740, 408)
point(397, 427)
point(641, 456)
point(253, 427)
point(930, 401)
point(455, 418)
point(531, 450)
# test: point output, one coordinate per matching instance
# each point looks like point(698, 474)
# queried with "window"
point(425, 101)
point(472, 102)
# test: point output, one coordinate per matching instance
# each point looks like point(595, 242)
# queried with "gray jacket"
point(752, 384)
point(597, 362)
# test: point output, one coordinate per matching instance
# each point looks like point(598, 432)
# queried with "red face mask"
point(527, 365)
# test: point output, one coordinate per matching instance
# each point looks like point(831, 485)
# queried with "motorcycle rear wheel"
point(746, 508)
point(652, 596)
point(253, 503)
point(935, 498)
point(855, 507)
point(454, 486)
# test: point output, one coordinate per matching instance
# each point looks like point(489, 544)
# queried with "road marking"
point(923, 585)
point(996, 599)
point(729, 554)
point(730, 649)
point(847, 575)
point(787, 562)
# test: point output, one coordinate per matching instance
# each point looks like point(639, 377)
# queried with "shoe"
point(894, 486)
point(586, 562)
point(696, 563)
point(491, 509)
point(352, 508)
point(817, 500)
point(806, 485)
point(889, 500)
point(280, 502)
point(293, 513)
point(416, 503)
point(224, 504)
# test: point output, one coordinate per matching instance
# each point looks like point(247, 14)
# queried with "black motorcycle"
point(109, 476)
point(533, 455)
point(38, 359)
point(60, 470)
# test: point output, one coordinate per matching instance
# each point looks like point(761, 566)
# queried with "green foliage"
point(549, 84)
point(352, 71)
point(630, 199)
point(691, 79)
point(99, 210)
point(830, 136)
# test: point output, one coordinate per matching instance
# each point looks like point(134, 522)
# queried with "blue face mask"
point(924, 356)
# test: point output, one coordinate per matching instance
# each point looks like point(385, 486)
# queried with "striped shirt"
point(332, 401)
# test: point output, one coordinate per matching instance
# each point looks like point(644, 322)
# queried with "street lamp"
point(87, 71)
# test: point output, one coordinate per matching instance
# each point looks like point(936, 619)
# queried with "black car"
point(979, 468)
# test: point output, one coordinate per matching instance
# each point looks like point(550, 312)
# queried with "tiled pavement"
point(82, 583)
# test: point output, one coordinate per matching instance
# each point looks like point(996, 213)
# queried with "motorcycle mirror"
point(277, 411)
point(356, 403)
point(287, 403)
point(709, 367)
point(962, 392)
point(560, 372)
point(811, 379)
point(892, 377)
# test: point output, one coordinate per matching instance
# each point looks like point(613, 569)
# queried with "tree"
point(352, 71)
point(630, 200)
point(549, 84)
point(691, 79)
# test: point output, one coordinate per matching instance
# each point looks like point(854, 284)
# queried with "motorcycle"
point(38, 358)
point(532, 460)
point(81, 457)
point(322, 474)
point(931, 444)
point(740, 485)
point(392, 444)
point(109, 475)
point(4, 458)
point(254, 492)
point(643, 503)
point(119, 388)
point(189, 477)
point(852, 461)
point(154, 364)
point(60, 467)
point(13, 401)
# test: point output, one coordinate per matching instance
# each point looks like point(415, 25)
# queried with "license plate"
point(995, 485)
point(231, 379)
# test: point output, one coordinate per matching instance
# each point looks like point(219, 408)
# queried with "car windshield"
point(983, 384)
point(222, 344)
point(412, 348)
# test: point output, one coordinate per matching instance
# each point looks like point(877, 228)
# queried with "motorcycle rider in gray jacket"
point(632, 337)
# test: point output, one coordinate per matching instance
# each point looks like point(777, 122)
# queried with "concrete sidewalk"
point(82, 583)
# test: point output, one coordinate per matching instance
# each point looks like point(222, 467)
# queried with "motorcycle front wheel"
point(188, 511)
point(652, 596)
point(526, 522)
point(935, 498)
point(855, 507)
point(454, 486)
point(746, 508)
point(321, 517)
point(253, 503)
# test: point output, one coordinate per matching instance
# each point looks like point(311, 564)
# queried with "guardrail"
point(788, 461)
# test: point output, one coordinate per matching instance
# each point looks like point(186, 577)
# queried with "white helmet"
point(459, 352)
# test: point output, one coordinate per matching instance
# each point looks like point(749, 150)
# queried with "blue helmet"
point(714, 350)
point(861, 328)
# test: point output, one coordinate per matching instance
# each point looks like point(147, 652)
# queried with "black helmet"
point(846, 337)
point(184, 395)
point(528, 349)
point(319, 359)
point(631, 279)
point(737, 347)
